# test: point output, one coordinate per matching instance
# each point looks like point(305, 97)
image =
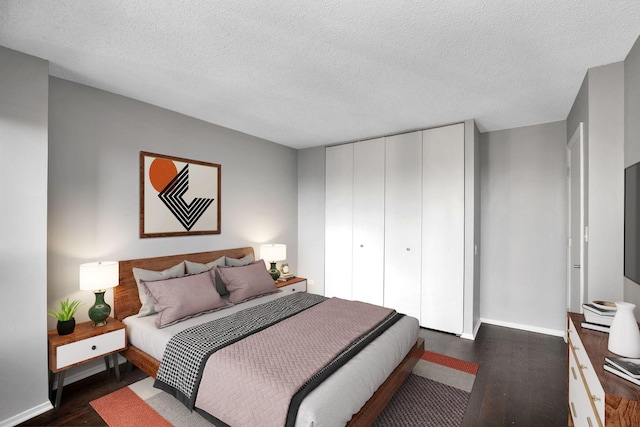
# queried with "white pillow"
point(151, 276)
point(235, 262)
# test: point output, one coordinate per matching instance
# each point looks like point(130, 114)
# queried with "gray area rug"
point(424, 402)
point(435, 394)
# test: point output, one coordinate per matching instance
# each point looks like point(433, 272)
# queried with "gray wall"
point(23, 236)
point(95, 140)
point(606, 182)
point(311, 185)
point(523, 227)
point(632, 139)
point(600, 106)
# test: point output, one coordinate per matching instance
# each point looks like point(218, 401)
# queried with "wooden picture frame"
point(178, 197)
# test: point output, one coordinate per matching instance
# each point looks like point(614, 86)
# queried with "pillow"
point(150, 275)
point(183, 297)
point(233, 262)
point(196, 267)
point(247, 281)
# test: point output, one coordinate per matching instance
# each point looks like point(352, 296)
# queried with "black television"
point(632, 223)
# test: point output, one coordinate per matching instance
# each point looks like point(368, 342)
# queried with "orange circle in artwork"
point(161, 172)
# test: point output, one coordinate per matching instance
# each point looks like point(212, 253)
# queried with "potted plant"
point(66, 321)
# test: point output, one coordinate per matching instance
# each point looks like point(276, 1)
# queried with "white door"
point(443, 229)
point(338, 221)
point(403, 206)
point(368, 221)
point(577, 232)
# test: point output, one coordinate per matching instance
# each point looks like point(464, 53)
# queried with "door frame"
point(576, 138)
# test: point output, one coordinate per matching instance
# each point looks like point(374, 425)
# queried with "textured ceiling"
point(308, 73)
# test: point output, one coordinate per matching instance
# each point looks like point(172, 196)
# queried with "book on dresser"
point(597, 315)
point(600, 308)
point(595, 327)
point(627, 365)
point(616, 371)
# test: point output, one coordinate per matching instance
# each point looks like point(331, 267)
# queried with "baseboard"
point(27, 415)
point(472, 335)
point(529, 328)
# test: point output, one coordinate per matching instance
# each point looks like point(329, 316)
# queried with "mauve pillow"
point(196, 267)
point(247, 281)
point(150, 275)
point(183, 297)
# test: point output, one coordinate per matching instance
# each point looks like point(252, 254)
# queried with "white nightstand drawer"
point(295, 287)
point(90, 348)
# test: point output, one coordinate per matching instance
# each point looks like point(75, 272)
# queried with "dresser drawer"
point(582, 412)
point(592, 401)
point(295, 287)
point(89, 348)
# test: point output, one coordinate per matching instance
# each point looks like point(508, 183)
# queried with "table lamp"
point(98, 277)
point(272, 254)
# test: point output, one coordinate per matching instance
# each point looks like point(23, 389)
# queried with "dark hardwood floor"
point(521, 381)
point(75, 409)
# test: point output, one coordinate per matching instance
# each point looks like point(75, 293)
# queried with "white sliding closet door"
point(443, 229)
point(403, 207)
point(368, 221)
point(338, 221)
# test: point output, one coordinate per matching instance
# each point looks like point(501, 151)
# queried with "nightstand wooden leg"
point(106, 364)
point(116, 367)
point(60, 376)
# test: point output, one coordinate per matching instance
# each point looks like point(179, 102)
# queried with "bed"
point(127, 305)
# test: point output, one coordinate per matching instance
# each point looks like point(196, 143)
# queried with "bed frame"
point(127, 303)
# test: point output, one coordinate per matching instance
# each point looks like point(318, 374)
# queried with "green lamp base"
point(100, 310)
point(274, 271)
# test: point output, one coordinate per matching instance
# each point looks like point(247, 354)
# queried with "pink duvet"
point(251, 382)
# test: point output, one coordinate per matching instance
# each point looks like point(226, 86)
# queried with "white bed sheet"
point(333, 402)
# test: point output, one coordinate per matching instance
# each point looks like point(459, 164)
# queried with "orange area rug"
point(124, 408)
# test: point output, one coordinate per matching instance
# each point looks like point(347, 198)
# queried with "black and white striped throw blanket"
point(187, 352)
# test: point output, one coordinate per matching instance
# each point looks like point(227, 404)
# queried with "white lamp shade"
point(274, 252)
point(95, 276)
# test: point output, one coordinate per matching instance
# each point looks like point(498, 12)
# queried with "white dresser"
point(597, 397)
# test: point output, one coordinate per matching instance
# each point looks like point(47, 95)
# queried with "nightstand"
point(86, 343)
point(295, 284)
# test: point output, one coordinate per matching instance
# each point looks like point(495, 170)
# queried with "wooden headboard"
point(125, 296)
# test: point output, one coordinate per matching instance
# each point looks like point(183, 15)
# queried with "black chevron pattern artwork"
point(172, 196)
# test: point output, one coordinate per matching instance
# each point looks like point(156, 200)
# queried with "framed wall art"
point(178, 197)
